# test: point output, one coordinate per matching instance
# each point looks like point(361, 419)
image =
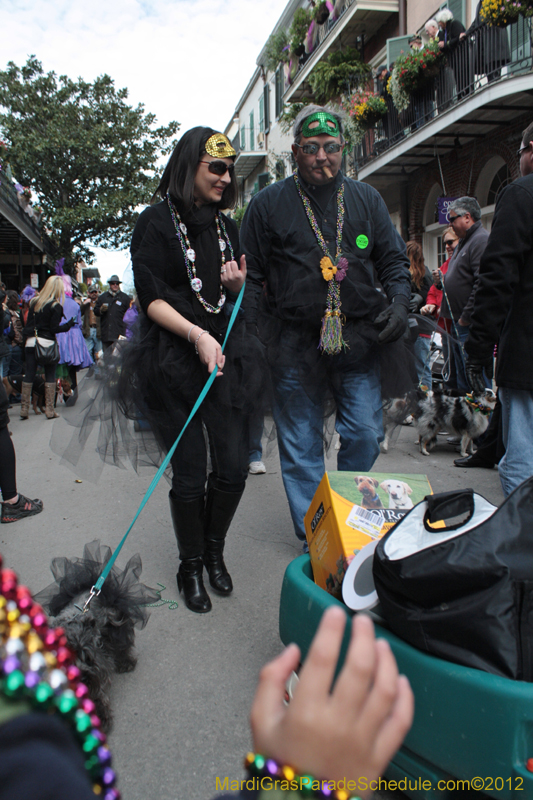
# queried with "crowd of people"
point(323, 329)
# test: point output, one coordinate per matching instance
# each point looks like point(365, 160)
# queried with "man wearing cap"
point(91, 323)
point(111, 307)
point(313, 244)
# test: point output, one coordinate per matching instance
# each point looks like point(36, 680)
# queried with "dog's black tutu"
point(122, 589)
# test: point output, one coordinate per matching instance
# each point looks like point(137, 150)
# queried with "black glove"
point(393, 321)
point(415, 303)
point(474, 368)
point(71, 322)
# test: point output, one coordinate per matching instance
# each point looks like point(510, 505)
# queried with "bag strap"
point(448, 505)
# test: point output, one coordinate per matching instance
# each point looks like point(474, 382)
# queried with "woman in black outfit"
point(188, 270)
point(44, 317)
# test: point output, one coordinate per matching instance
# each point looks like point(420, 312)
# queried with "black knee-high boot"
point(188, 520)
point(219, 511)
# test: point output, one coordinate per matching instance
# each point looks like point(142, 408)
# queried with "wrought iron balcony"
point(489, 71)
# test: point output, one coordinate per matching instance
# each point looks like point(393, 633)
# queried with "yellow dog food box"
point(349, 510)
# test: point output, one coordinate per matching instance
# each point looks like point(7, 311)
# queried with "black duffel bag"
point(455, 578)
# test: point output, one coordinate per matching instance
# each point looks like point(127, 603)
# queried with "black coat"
point(450, 35)
point(504, 298)
point(111, 321)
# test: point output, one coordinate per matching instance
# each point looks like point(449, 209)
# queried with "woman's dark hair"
point(179, 174)
point(12, 300)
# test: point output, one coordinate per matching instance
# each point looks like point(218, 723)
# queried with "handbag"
point(455, 578)
point(46, 351)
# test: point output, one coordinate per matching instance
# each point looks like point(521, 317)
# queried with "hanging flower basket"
point(412, 72)
point(365, 109)
point(500, 13)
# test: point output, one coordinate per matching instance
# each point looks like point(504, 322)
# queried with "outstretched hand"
point(350, 732)
point(233, 276)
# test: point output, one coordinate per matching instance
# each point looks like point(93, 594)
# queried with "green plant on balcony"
point(337, 75)
point(298, 31)
point(276, 50)
point(412, 71)
point(503, 12)
point(320, 12)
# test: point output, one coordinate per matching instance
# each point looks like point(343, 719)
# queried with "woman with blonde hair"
point(44, 321)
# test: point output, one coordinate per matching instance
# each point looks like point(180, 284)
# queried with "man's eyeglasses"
point(114, 283)
point(219, 167)
point(312, 148)
point(452, 219)
point(525, 147)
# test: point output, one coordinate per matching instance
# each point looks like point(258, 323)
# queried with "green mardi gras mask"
point(320, 122)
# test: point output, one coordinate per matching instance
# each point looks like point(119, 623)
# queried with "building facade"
point(459, 134)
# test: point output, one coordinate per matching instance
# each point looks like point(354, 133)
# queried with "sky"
point(188, 61)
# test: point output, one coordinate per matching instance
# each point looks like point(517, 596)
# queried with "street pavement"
point(181, 718)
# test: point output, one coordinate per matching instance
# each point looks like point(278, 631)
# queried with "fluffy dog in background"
point(103, 637)
point(13, 385)
point(467, 417)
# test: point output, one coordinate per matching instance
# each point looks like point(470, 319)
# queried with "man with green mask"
point(314, 243)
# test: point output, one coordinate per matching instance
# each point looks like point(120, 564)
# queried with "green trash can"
point(472, 731)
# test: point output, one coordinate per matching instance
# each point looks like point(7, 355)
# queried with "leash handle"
point(109, 566)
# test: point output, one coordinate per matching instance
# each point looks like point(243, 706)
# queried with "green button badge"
point(362, 241)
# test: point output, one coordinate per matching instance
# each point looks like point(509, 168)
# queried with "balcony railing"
point(486, 56)
point(8, 195)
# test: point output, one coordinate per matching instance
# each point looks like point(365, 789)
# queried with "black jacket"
point(283, 254)
point(450, 35)
point(47, 321)
point(111, 322)
point(504, 299)
point(461, 279)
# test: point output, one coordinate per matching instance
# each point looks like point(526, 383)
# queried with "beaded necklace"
point(36, 666)
point(331, 340)
point(189, 256)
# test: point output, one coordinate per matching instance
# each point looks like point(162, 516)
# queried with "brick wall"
point(462, 168)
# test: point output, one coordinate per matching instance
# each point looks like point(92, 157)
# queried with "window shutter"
point(395, 47)
point(266, 106)
point(252, 143)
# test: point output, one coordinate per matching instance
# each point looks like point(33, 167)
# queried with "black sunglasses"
point(452, 219)
point(219, 167)
point(449, 242)
point(312, 148)
point(519, 152)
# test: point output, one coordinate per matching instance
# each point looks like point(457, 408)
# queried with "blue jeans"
point(422, 350)
point(517, 428)
point(255, 433)
point(94, 345)
point(299, 417)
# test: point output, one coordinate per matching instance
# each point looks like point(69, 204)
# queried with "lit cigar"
point(327, 172)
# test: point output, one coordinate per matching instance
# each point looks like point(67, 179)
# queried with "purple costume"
point(72, 348)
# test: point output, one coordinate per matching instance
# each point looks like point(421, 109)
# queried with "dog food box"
point(351, 509)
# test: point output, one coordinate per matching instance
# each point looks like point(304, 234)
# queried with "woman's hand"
point(233, 277)
point(210, 353)
point(428, 310)
point(351, 732)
